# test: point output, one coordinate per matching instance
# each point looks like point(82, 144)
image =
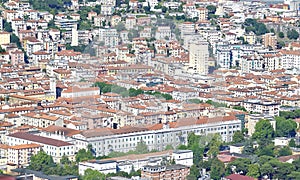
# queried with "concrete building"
point(53, 147)
point(158, 136)
point(4, 37)
point(198, 56)
point(109, 37)
point(103, 166)
point(264, 107)
point(1, 23)
point(184, 157)
point(74, 41)
point(269, 40)
point(165, 172)
point(252, 119)
point(20, 155)
point(163, 32)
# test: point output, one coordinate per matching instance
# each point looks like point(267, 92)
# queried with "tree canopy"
point(263, 133)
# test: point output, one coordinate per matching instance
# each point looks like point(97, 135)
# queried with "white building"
point(1, 23)
point(76, 91)
point(163, 32)
point(105, 166)
point(264, 107)
point(106, 140)
point(52, 147)
point(107, 10)
point(184, 157)
point(109, 37)
point(198, 56)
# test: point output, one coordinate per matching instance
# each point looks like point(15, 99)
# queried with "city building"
point(103, 166)
point(198, 56)
point(53, 147)
point(20, 155)
point(4, 37)
point(252, 119)
point(109, 37)
point(269, 40)
point(165, 172)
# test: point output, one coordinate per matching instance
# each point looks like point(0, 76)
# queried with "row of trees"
point(105, 88)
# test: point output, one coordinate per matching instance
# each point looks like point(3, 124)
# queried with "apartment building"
point(159, 172)
point(53, 147)
point(109, 37)
point(260, 106)
point(20, 155)
point(269, 40)
point(1, 23)
point(163, 32)
point(4, 37)
point(198, 56)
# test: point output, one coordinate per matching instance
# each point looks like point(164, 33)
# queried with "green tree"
point(253, 171)
point(217, 169)
point(211, 9)
point(294, 175)
point(214, 145)
point(169, 147)
point(65, 160)
point(263, 133)
point(281, 34)
point(120, 27)
point(90, 174)
point(292, 34)
point(240, 166)
point(41, 162)
point(194, 173)
point(285, 151)
point(267, 170)
point(285, 128)
point(296, 164)
point(238, 137)
point(267, 150)
point(7, 26)
point(2, 50)
point(248, 148)
point(141, 148)
point(280, 44)
point(292, 143)
point(15, 39)
point(83, 155)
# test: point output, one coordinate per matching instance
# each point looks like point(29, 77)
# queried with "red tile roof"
point(39, 139)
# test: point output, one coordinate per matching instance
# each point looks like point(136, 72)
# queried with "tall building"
point(4, 37)
point(269, 40)
point(1, 23)
point(109, 37)
point(74, 41)
point(198, 56)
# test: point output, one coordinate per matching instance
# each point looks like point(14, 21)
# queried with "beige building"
point(20, 155)
point(198, 56)
point(269, 40)
point(252, 119)
point(250, 38)
point(202, 14)
point(175, 171)
point(4, 37)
